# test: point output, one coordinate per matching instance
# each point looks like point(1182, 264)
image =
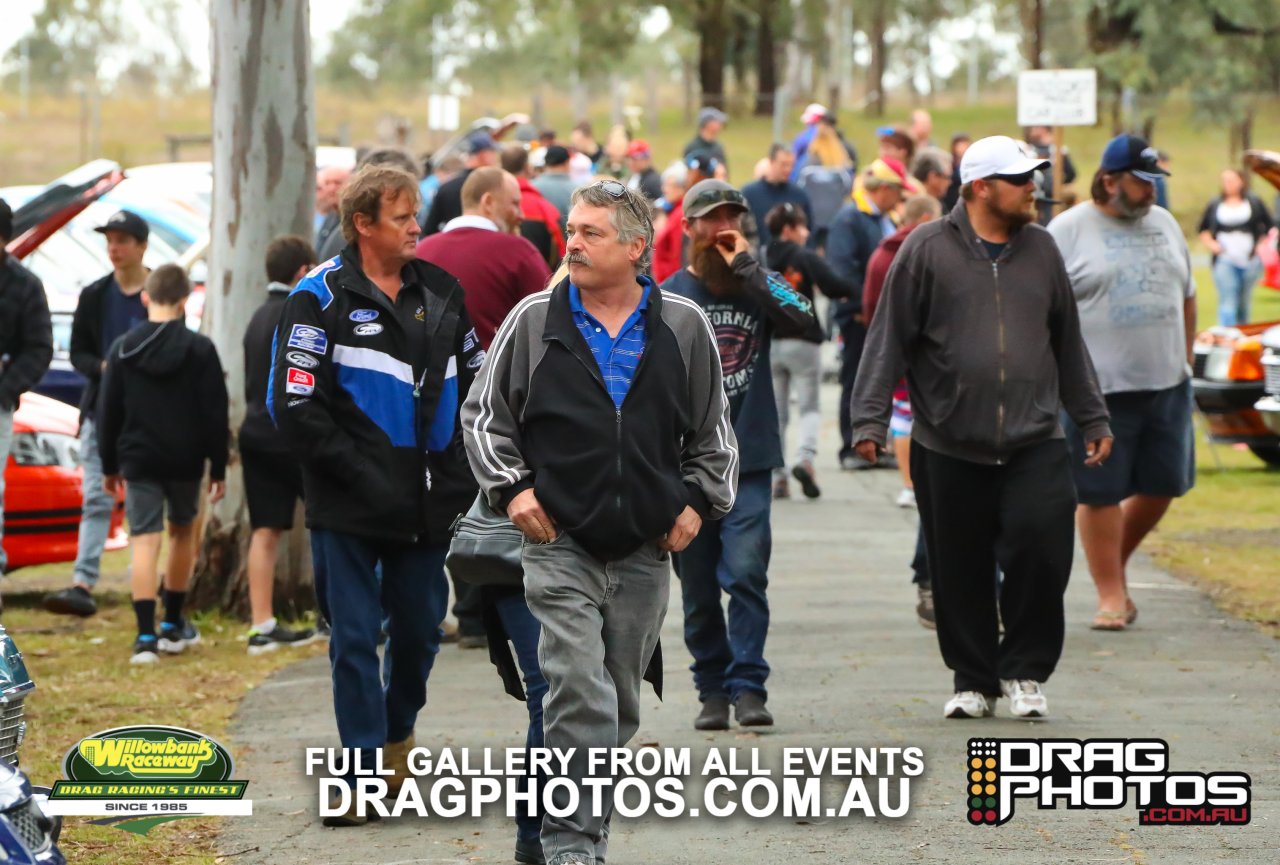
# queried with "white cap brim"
point(1013, 169)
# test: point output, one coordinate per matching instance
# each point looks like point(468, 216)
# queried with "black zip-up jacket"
point(163, 410)
point(26, 337)
point(258, 433)
point(991, 349)
point(86, 341)
point(540, 417)
point(375, 424)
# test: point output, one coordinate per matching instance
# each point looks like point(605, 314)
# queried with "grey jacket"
point(540, 416)
point(991, 349)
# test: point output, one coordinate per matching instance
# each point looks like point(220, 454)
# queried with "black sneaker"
point(278, 636)
point(175, 639)
point(145, 650)
point(74, 601)
point(530, 852)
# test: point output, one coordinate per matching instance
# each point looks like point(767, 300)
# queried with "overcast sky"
point(326, 17)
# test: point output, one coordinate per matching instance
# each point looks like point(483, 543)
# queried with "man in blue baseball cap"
point(481, 151)
point(1130, 271)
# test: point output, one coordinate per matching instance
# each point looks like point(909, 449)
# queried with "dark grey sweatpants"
point(600, 624)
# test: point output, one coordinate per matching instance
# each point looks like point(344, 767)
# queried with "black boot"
point(714, 714)
point(750, 711)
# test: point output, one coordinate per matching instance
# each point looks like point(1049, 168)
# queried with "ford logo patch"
point(364, 315)
point(367, 329)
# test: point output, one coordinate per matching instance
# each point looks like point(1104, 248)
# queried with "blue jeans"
point(415, 594)
point(1235, 289)
point(523, 631)
point(95, 518)
point(731, 555)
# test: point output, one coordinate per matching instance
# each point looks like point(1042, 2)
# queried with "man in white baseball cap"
point(978, 312)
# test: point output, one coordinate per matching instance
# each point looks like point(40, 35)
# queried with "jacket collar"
point(958, 222)
point(561, 326)
point(274, 287)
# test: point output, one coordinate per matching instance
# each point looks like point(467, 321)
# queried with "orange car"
point(42, 495)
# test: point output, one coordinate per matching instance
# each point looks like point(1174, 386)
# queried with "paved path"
point(850, 667)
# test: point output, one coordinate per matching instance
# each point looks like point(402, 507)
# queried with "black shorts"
point(273, 486)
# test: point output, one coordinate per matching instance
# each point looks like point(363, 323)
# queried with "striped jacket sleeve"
point(490, 414)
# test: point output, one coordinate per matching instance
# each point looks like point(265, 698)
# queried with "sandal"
point(1110, 620)
point(1130, 612)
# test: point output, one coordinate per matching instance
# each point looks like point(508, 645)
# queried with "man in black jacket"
point(978, 311)
point(599, 424)
point(272, 477)
point(26, 343)
point(107, 310)
point(372, 353)
point(482, 151)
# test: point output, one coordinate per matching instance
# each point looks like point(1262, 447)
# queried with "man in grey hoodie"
point(978, 311)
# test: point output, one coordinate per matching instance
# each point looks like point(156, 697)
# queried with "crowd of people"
point(611, 355)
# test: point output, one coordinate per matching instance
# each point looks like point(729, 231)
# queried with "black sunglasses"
point(1015, 179)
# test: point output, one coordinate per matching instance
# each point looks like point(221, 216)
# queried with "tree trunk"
point(875, 72)
point(711, 50)
point(264, 143)
point(766, 61)
point(1033, 32)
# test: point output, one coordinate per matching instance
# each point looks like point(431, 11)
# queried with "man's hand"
point(1096, 452)
point(687, 525)
point(113, 484)
point(530, 518)
point(868, 450)
point(217, 489)
point(730, 244)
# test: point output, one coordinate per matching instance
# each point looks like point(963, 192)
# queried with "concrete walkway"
point(850, 667)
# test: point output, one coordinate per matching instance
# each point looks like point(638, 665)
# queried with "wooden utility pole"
point(264, 145)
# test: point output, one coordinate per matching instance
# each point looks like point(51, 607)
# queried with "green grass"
point(84, 683)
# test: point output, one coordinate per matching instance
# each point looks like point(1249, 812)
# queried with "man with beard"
point(1131, 273)
point(978, 311)
point(746, 305)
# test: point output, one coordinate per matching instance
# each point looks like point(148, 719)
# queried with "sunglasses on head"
point(716, 197)
point(1015, 179)
point(618, 191)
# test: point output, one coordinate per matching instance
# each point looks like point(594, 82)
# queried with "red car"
point(42, 486)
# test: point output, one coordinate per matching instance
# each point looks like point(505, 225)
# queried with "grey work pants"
point(600, 625)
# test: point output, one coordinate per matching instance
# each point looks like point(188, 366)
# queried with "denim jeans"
point(6, 441)
point(600, 626)
point(730, 556)
point(414, 593)
point(1235, 289)
point(523, 631)
point(797, 370)
point(95, 518)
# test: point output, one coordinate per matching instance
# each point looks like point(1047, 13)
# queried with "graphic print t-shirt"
point(1130, 278)
point(742, 335)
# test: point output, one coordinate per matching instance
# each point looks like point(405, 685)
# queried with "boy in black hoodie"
point(163, 412)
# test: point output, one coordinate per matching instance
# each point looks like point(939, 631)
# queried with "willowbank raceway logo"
point(1099, 774)
point(135, 778)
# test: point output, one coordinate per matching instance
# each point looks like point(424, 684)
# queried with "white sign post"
point(442, 113)
point(1058, 98)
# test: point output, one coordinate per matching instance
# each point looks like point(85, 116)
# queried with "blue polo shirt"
point(617, 356)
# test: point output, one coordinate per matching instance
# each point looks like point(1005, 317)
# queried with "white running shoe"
point(969, 704)
point(906, 498)
point(1026, 700)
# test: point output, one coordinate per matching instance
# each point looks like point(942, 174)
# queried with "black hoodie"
point(163, 409)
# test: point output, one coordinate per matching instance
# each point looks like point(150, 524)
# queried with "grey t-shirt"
point(1130, 278)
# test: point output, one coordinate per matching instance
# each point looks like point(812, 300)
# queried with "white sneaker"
point(906, 498)
point(1026, 700)
point(969, 704)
